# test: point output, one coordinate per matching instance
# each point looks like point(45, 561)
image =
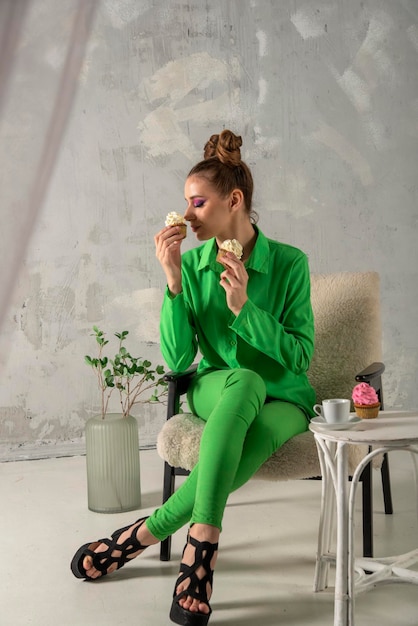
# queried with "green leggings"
point(241, 432)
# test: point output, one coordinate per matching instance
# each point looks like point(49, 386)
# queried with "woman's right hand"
point(167, 247)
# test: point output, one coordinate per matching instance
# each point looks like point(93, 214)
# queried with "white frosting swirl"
point(234, 246)
point(173, 218)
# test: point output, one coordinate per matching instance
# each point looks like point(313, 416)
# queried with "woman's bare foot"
point(202, 533)
point(127, 550)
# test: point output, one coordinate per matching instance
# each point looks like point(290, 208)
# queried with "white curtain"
point(42, 47)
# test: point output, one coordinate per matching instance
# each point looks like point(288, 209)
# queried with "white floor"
point(265, 568)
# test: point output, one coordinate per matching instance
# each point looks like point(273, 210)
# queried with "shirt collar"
point(258, 261)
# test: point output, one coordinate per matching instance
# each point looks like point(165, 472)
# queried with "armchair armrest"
point(373, 376)
point(181, 379)
point(178, 383)
point(370, 372)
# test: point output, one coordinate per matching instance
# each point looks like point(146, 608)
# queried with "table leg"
point(326, 452)
point(343, 609)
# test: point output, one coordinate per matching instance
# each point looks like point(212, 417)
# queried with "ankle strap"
point(204, 545)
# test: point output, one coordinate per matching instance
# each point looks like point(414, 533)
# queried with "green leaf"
point(126, 372)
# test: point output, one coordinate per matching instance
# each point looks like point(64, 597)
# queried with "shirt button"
point(232, 343)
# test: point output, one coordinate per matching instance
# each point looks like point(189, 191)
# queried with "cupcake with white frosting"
point(175, 219)
point(229, 245)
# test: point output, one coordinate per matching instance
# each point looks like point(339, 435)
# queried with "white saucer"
point(319, 421)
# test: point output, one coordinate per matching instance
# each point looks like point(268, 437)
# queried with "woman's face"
point(209, 213)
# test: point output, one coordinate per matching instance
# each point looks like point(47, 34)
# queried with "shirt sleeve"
point(286, 336)
point(177, 335)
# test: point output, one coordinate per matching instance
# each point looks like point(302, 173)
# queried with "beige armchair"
point(347, 349)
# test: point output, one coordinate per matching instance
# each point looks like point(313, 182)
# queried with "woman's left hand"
point(234, 280)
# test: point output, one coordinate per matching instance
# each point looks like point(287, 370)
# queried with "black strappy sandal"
point(204, 551)
point(103, 560)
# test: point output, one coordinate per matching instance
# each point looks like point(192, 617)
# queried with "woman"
point(251, 320)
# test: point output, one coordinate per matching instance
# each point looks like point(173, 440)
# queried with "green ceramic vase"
point(112, 456)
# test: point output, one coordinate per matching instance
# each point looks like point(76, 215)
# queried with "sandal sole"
point(181, 616)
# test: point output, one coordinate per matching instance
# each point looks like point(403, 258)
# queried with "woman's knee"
point(249, 384)
point(236, 386)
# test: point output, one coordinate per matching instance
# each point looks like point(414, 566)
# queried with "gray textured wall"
point(325, 95)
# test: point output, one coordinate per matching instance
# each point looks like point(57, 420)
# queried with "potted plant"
point(112, 443)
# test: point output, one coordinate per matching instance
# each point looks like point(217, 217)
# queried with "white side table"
point(391, 430)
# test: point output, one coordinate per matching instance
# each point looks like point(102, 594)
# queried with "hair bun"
point(225, 146)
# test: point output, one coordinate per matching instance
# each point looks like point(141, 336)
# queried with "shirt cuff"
point(241, 320)
point(172, 296)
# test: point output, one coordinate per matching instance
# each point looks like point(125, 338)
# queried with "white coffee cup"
point(334, 410)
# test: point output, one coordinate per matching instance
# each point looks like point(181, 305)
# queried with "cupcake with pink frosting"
point(366, 402)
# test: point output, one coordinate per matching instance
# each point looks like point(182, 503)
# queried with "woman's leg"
point(274, 424)
point(229, 401)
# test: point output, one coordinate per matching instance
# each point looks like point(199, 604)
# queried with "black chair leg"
point(367, 494)
point(387, 492)
point(165, 549)
point(168, 490)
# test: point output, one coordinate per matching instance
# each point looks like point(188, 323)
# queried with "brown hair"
point(223, 168)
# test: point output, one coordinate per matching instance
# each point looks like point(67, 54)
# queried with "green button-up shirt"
point(273, 334)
